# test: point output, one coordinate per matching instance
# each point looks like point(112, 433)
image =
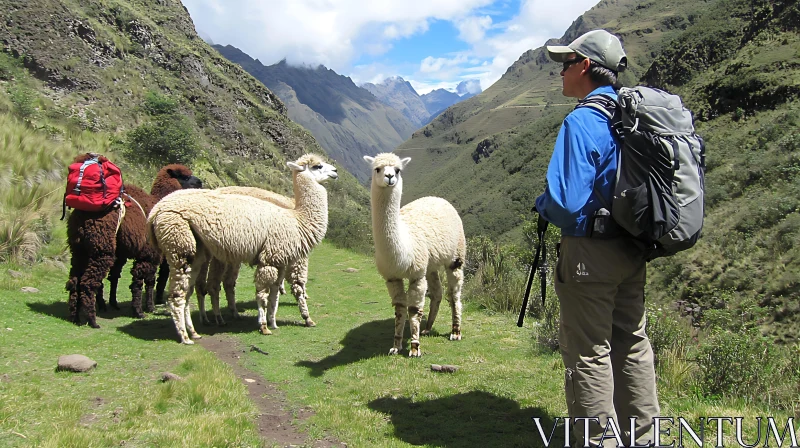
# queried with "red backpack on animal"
point(93, 185)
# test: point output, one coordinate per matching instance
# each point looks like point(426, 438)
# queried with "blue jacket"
point(584, 159)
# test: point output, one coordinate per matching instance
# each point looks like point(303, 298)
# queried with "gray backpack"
point(658, 196)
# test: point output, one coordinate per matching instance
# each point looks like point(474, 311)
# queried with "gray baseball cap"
point(598, 45)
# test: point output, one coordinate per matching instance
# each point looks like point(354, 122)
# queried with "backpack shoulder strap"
point(608, 107)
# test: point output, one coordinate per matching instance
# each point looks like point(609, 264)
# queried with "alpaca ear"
point(405, 161)
point(295, 167)
point(369, 159)
point(171, 173)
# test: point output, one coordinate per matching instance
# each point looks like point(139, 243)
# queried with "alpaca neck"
point(389, 231)
point(311, 209)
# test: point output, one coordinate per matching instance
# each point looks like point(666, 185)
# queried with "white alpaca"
point(191, 228)
point(227, 274)
point(414, 242)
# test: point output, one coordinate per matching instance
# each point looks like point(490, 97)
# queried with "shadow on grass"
point(161, 326)
point(365, 341)
point(473, 419)
point(60, 310)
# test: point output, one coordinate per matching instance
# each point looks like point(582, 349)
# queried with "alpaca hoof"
point(187, 342)
point(237, 316)
point(114, 305)
point(94, 325)
point(205, 321)
point(264, 330)
point(273, 325)
point(455, 335)
point(221, 322)
point(196, 336)
point(310, 323)
point(415, 351)
point(138, 315)
point(394, 351)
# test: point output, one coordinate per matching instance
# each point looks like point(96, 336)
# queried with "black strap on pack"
point(541, 247)
point(608, 107)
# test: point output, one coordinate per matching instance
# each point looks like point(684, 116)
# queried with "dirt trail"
point(274, 419)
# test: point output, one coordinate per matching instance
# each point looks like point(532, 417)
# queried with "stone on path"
point(75, 363)
point(443, 368)
point(167, 376)
point(29, 289)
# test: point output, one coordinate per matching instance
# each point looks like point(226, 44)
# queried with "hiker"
point(600, 274)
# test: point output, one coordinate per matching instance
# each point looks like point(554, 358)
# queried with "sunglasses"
point(568, 63)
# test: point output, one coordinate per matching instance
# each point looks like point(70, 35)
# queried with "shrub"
point(666, 331)
point(495, 279)
point(158, 104)
point(736, 364)
point(165, 139)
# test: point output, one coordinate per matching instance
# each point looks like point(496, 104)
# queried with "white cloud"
point(472, 29)
point(329, 32)
point(336, 33)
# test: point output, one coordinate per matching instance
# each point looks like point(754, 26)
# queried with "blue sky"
point(430, 43)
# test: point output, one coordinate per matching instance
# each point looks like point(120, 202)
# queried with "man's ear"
point(295, 167)
point(369, 159)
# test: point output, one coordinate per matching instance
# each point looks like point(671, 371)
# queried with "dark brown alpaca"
point(170, 178)
point(95, 243)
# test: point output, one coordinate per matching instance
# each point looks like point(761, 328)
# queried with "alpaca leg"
point(197, 272)
point(161, 283)
point(229, 283)
point(216, 271)
point(266, 278)
point(416, 302)
point(178, 287)
point(149, 284)
point(274, 298)
point(200, 287)
point(98, 296)
point(397, 293)
point(113, 280)
point(455, 280)
point(298, 276)
point(91, 280)
point(435, 290)
point(73, 287)
point(138, 274)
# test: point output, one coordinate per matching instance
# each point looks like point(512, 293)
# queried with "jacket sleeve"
point(570, 175)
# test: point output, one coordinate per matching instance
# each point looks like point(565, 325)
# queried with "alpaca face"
point(185, 178)
point(316, 168)
point(386, 169)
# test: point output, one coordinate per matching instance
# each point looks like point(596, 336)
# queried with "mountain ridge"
point(348, 121)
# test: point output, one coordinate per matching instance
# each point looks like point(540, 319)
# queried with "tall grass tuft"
point(32, 182)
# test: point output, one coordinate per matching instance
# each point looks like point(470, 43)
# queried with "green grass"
point(122, 400)
point(340, 369)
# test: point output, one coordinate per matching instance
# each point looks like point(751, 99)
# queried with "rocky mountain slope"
point(96, 63)
point(348, 121)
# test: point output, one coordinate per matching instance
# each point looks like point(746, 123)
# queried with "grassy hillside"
point(731, 60)
point(346, 120)
point(133, 80)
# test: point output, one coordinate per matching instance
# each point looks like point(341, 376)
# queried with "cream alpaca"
point(228, 273)
point(192, 227)
point(414, 243)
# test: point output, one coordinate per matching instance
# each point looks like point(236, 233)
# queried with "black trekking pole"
point(541, 229)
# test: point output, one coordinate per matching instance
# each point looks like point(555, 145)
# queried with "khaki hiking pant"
point(606, 353)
